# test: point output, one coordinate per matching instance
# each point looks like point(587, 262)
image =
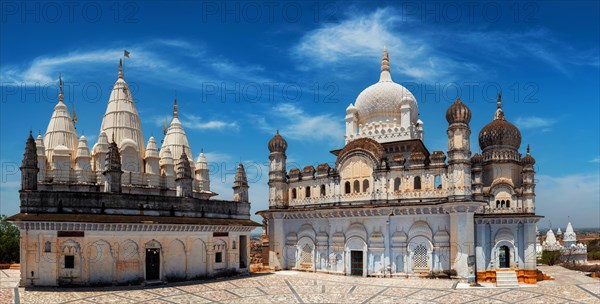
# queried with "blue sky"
point(241, 70)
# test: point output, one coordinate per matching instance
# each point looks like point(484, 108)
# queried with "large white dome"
point(383, 100)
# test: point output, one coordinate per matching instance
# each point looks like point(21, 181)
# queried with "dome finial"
point(277, 131)
point(385, 67)
point(175, 109)
point(499, 115)
point(61, 95)
point(499, 100)
point(527, 148)
point(120, 68)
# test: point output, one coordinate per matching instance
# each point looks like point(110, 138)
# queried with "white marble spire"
point(176, 139)
point(60, 131)
point(122, 121)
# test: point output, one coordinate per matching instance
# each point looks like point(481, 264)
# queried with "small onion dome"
point(277, 143)
point(458, 112)
point(477, 159)
point(499, 132)
point(528, 159)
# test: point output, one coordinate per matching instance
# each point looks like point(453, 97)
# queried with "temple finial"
point(527, 148)
point(120, 68)
point(385, 67)
point(277, 131)
point(385, 60)
point(175, 109)
point(499, 100)
point(61, 95)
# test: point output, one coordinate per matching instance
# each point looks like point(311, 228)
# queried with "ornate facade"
point(390, 207)
point(124, 212)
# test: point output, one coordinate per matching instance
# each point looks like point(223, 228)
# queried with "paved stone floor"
point(297, 287)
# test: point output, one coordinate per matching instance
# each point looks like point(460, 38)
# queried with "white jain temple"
point(389, 206)
point(124, 212)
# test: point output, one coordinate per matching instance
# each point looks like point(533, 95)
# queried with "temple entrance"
point(504, 256)
point(356, 263)
point(152, 264)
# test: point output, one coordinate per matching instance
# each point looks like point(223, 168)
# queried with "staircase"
point(507, 279)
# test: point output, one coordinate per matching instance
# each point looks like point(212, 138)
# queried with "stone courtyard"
point(299, 287)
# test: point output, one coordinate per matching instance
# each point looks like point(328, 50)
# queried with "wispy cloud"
point(300, 125)
point(194, 122)
point(363, 36)
point(595, 160)
point(186, 64)
point(535, 122)
point(421, 51)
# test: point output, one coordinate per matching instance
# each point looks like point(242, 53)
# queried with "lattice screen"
point(306, 257)
point(420, 257)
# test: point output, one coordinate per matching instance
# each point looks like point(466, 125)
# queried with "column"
point(462, 239)
point(277, 243)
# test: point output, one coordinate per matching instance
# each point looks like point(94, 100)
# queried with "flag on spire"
point(74, 114)
point(126, 53)
point(165, 127)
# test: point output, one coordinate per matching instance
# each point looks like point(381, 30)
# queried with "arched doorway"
point(504, 256)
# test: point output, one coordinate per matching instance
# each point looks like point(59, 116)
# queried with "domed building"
point(390, 207)
point(146, 213)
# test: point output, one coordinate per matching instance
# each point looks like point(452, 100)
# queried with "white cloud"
point(429, 52)
point(191, 121)
point(170, 61)
point(194, 122)
point(300, 125)
point(595, 160)
point(577, 196)
point(364, 36)
point(535, 122)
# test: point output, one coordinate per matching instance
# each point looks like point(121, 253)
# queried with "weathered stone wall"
point(132, 204)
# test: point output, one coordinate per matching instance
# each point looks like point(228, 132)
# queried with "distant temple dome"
point(499, 132)
point(458, 112)
point(384, 99)
point(277, 143)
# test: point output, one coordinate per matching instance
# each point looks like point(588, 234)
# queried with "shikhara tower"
point(390, 207)
point(146, 212)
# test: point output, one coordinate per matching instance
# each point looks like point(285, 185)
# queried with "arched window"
point(365, 185)
point(437, 182)
point(396, 184)
point(307, 192)
point(502, 203)
point(47, 246)
point(293, 193)
point(507, 203)
point(356, 186)
point(417, 182)
point(322, 190)
point(497, 204)
point(347, 188)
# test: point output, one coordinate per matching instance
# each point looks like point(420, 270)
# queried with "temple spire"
point(175, 109)
point(499, 115)
point(120, 68)
point(61, 95)
point(385, 67)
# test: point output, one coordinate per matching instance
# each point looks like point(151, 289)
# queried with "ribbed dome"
point(176, 139)
point(383, 100)
point(122, 121)
point(458, 112)
point(528, 159)
point(277, 143)
point(61, 131)
point(499, 132)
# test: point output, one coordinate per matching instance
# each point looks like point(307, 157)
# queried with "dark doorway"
point(504, 257)
point(243, 251)
point(152, 264)
point(356, 263)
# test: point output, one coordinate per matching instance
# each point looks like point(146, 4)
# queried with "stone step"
point(507, 279)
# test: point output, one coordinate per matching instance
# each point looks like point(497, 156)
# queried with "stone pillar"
point(277, 242)
point(461, 240)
